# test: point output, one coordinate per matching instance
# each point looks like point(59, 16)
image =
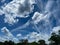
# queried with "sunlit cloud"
point(19, 8)
point(55, 29)
point(8, 35)
point(44, 22)
point(34, 36)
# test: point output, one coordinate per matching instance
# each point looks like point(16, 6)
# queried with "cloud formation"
point(56, 29)
point(6, 31)
point(45, 22)
point(34, 36)
point(17, 8)
point(1, 12)
point(8, 35)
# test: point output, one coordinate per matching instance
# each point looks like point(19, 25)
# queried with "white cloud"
point(37, 17)
point(7, 32)
point(56, 29)
point(8, 35)
point(10, 19)
point(19, 35)
point(2, 39)
point(45, 19)
point(34, 36)
point(15, 40)
point(41, 22)
point(17, 8)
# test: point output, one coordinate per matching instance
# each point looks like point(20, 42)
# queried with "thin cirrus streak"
point(24, 26)
point(21, 27)
point(45, 6)
point(49, 8)
point(40, 5)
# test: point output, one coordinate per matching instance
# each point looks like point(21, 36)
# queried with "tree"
point(55, 39)
point(33, 43)
point(1, 43)
point(9, 43)
point(23, 42)
point(41, 42)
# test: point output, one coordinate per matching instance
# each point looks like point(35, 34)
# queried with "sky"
point(31, 19)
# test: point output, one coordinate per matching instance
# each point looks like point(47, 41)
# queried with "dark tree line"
point(54, 40)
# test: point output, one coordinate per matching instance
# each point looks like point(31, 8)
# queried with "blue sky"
point(21, 19)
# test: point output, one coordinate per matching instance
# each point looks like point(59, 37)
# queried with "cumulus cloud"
point(10, 19)
point(8, 35)
point(2, 39)
point(49, 18)
point(34, 36)
point(47, 21)
point(56, 29)
point(17, 8)
point(41, 21)
point(44, 22)
point(37, 17)
point(6, 31)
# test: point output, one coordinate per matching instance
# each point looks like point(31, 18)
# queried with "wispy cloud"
point(21, 27)
point(2, 1)
point(1, 12)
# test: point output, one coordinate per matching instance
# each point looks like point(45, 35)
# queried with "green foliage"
point(33, 43)
point(41, 42)
point(55, 39)
point(23, 42)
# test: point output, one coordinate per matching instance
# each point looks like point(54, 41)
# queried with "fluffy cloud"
point(2, 39)
point(34, 36)
point(41, 22)
point(47, 21)
point(6, 31)
point(10, 19)
point(37, 17)
point(8, 35)
point(17, 8)
point(56, 29)
point(49, 18)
